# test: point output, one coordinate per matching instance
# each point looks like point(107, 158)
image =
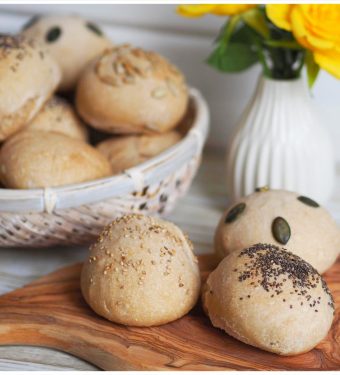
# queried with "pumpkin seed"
point(262, 189)
point(53, 34)
point(281, 230)
point(94, 28)
point(235, 212)
point(308, 201)
point(31, 22)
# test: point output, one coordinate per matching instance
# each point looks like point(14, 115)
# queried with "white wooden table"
point(197, 214)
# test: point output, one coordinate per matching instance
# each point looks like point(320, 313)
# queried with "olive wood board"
point(51, 312)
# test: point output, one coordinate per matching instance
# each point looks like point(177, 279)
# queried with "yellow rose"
point(217, 9)
point(316, 27)
point(279, 14)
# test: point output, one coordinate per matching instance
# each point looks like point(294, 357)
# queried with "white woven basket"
point(75, 214)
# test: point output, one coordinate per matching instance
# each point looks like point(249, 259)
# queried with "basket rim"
point(149, 172)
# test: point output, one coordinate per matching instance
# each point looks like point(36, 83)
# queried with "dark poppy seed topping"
point(277, 269)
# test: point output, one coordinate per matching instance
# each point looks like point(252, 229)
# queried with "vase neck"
point(278, 89)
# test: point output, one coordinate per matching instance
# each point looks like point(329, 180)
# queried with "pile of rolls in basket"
point(89, 131)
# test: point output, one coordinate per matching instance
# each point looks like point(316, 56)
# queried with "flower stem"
point(289, 44)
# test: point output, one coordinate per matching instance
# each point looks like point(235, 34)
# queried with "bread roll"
point(270, 298)
point(128, 151)
point(282, 218)
point(28, 77)
point(129, 90)
point(58, 116)
point(141, 272)
point(38, 159)
point(72, 41)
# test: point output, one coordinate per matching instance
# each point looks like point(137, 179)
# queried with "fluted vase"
point(281, 142)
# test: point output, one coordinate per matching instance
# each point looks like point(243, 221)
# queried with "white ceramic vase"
point(281, 142)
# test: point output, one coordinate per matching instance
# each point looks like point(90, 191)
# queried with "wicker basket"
point(75, 214)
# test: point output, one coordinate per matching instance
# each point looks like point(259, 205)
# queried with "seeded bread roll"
point(28, 77)
point(72, 41)
point(129, 90)
point(282, 218)
point(141, 272)
point(38, 159)
point(127, 151)
point(270, 298)
point(58, 116)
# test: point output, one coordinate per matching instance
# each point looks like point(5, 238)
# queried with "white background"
point(187, 42)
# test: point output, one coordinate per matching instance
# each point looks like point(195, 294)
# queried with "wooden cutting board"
point(51, 312)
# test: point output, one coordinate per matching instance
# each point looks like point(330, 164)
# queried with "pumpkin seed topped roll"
point(283, 218)
point(71, 40)
point(129, 90)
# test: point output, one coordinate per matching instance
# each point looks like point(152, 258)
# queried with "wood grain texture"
point(51, 312)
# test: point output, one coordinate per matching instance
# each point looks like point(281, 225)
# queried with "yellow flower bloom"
point(316, 27)
point(279, 14)
point(217, 9)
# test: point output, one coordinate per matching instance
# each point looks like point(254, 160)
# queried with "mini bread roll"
point(141, 272)
point(71, 40)
point(129, 90)
point(38, 159)
point(270, 298)
point(282, 218)
point(127, 151)
point(28, 77)
point(57, 115)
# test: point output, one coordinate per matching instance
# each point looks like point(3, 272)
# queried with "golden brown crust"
point(314, 234)
point(37, 159)
point(269, 298)
point(28, 76)
point(76, 43)
point(141, 272)
point(129, 90)
point(128, 151)
point(58, 116)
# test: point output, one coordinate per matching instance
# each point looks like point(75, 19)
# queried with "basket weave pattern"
point(76, 215)
point(82, 224)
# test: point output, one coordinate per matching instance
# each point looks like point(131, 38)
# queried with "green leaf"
point(255, 19)
point(312, 68)
point(229, 29)
point(245, 35)
point(235, 57)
